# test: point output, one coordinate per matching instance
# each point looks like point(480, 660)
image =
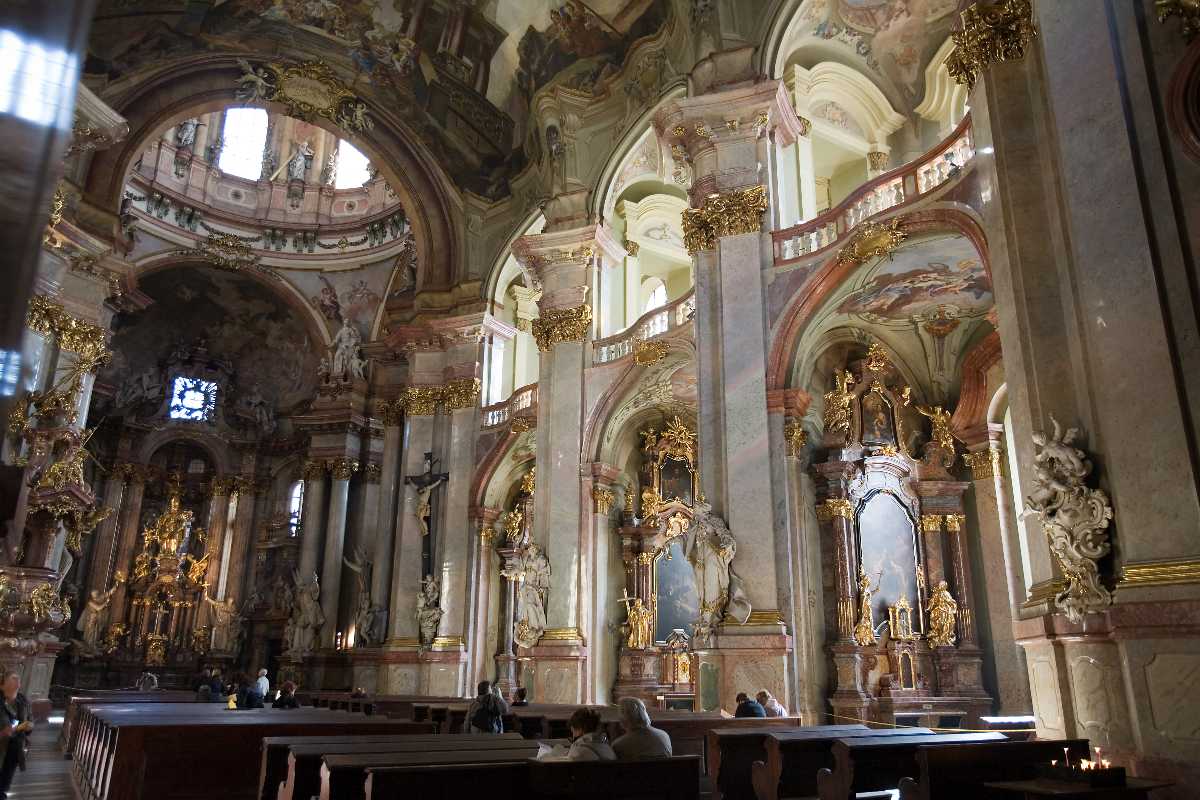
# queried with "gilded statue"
point(512, 520)
point(838, 402)
point(864, 629)
point(942, 613)
point(170, 528)
point(196, 568)
point(941, 434)
point(141, 566)
point(92, 619)
point(650, 503)
point(640, 621)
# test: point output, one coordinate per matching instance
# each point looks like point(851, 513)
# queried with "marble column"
point(488, 600)
point(312, 521)
point(217, 525)
point(241, 539)
point(392, 414)
point(406, 569)
point(105, 545)
point(340, 471)
point(131, 512)
point(601, 601)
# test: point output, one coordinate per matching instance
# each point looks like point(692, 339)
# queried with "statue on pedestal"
point(864, 629)
point(429, 610)
point(344, 350)
point(531, 570)
point(942, 612)
point(640, 622)
point(307, 617)
point(225, 619)
point(366, 614)
point(710, 550)
point(92, 620)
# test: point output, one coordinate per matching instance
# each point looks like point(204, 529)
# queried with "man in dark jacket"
point(487, 710)
point(14, 730)
point(747, 707)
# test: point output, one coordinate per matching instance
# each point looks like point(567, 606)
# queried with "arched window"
point(351, 167)
point(295, 507)
point(245, 136)
point(656, 297)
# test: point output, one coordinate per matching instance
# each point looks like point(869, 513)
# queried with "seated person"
point(748, 708)
point(247, 693)
point(640, 739)
point(521, 696)
point(588, 742)
point(772, 706)
point(358, 694)
point(287, 696)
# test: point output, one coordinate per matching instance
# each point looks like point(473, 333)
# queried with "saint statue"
point(942, 613)
point(307, 617)
point(365, 612)
point(710, 549)
point(429, 610)
point(345, 349)
point(640, 621)
point(531, 569)
point(91, 621)
point(424, 507)
point(224, 619)
point(264, 415)
point(297, 165)
point(864, 630)
point(185, 132)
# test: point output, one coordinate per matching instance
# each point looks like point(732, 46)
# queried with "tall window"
point(192, 399)
point(351, 167)
point(295, 508)
point(36, 83)
point(657, 296)
point(245, 136)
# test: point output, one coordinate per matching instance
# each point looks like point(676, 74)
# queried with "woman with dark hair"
point(287, 696)
point(588, 742)
point(14, 729)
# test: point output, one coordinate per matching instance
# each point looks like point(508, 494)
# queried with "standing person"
point(263, 685)
point(588, 742)
point(641, 740)
point(773, 707)
point(748, 708)
point(487, 710)
point(14, 730)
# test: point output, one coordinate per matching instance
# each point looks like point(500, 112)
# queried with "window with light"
point(244, 137)
point(657, 297)
point(192, 399)
point(295, 508)
point(351, 167)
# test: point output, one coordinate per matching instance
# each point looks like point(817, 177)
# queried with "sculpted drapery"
point(531, 570)
point(710, 550)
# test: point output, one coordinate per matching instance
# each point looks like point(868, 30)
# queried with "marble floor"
point(47, 775)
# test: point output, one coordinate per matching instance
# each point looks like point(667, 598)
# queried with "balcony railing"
point(899, 187)
point(651, 324)
point(522, 400)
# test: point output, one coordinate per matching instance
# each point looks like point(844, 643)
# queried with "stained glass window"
point(192, 399)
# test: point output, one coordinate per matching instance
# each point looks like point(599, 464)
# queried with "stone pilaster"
point(131, 513)
point(217, 526)
point(312, 521)
point(392, 415)
point(340, 471)
point(241, 536)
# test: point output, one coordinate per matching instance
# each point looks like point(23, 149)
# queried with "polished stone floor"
point(48, 774)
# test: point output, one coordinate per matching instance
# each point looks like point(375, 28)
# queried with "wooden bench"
point(733, 750)
point(674, 778)
point(132, 753)
point(302, 766)
point(873, 764)
point(343, 777)
point(949, 773)
point(794, 757)
point(77, 699)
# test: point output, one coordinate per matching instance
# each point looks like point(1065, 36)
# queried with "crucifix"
point(160, 611)
point(425, 483)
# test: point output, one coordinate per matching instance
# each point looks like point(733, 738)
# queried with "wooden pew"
point(878, 763)
point(952, 772)
point(675, 778)
point(78, 698)
point(302, 764)
point(343, 777)
point(132, 753)
point(733, 750)
point(794, 757)
point(274, 768)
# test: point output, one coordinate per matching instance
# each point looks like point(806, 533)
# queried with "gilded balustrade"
point(901, 186)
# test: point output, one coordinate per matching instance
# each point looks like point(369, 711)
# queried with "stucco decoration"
point(239, 320)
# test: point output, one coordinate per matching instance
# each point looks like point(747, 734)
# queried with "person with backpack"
point(487, 710)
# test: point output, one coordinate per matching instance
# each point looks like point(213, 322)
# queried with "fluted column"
point(104, 550)
point(340, 471)
point(312, 524)
point(392, 415)
point(241, 535)
point(599, 604)
point(217, 546)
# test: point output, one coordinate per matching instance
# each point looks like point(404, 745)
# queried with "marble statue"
point(307, 617)
point(323, 371)
point(224, 620)
point(365, 612)
point(185, 132)
point(710, 550)
point(297, 165)
point(429, 610)
point(1075, 518)
point(252, 85)
point(344, 348)
point(424, 506)
point(264, 415)
point(942, 611)
point(531, 570)
point(95, 610)
point(358, 367)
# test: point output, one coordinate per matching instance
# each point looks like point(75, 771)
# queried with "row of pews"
point(393, 747)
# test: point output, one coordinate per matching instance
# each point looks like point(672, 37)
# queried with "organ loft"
point(624, 355)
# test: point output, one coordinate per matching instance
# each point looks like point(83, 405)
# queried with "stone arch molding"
point(199, 84)
point(829, 81)
point(943, 95)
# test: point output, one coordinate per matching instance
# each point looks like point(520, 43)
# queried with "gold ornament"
point(942, 613)
point(420, 401)
point(391, 412)
point(900, 621)
point(557, 325)
point(864, 629)
point(835, 507)
point(650, 502)
point(991, 32)
point(795, 436)
point(837, 404)
point(511, 522)
point(529, 481)
point(981, 465)
point(343, 468)
point(877, 161)
point(873, 240)
point(646, 353)
point(312, 470)
point(223, 250)
point(1187, 10)
point(461, 393)
point(307, 89)
point(603, 498)
point(730, 214)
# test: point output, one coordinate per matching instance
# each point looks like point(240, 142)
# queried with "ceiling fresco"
point(893, 39)
point(238, 319)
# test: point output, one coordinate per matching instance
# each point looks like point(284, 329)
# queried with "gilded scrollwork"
point(795, 436)
point(873, 240)
point(991, 32)
point(838, 402)
point(729, 214)
point(557, 325)
point(461, 393)
point(309, 89)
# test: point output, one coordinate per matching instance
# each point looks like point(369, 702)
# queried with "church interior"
point(834, 351)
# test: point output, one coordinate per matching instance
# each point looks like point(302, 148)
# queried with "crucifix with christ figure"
point(425, 483)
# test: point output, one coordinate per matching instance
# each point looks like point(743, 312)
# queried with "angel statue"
point(91, 621)
point(252, 85)
point(429, 609)
point(942, 611)
point(710, 549)
point(941, 435)
point(365, 612)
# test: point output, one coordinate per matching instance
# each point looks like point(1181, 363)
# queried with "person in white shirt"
point(262, 684)
point(772, 706)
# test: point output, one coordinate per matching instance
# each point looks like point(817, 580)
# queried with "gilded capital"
point(603, 499)
point(835, 507)
point(313, 469)
point(391, 412)
point(982, 464)
point(373, 472)
point(728, 214)
point(87, 341)
point(219, 487)
point(990, 32)
point(420, 401)
point(955, 522)
point(557, 325)
point(342, 468)
point(796, 437)
point(877, 161)
point(931, 523)
point(461, 393)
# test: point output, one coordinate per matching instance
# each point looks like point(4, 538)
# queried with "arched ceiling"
point(891, 41)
